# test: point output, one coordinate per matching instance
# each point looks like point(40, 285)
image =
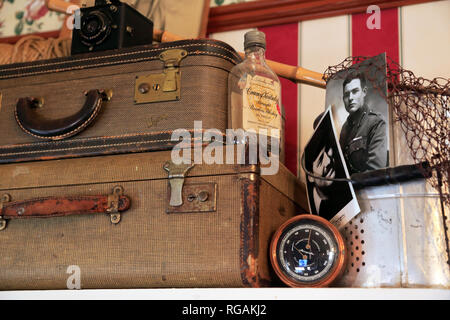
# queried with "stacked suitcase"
point(88, 182)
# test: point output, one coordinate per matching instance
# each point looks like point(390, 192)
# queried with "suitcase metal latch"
point(165, 86)
point(113, 204)
point(4, 199)
point(197, 198)
point(177, 172)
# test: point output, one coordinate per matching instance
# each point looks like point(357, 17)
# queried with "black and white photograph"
point(361, 116)
point(332, 200)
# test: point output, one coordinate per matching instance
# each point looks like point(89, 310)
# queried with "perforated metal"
point(397, 239)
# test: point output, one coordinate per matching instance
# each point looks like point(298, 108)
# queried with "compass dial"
point(307, 251)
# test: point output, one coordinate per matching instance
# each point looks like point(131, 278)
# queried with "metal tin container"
point(398, 239)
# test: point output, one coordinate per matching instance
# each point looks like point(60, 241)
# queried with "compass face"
point(307, 251)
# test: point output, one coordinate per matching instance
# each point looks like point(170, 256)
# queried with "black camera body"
point(110, 25)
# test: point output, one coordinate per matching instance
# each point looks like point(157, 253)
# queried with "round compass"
point(307, 251)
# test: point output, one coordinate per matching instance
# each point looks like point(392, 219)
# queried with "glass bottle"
point(254, 94)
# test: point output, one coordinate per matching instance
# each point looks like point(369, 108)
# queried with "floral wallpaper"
point(20, 17)
point(216, 3)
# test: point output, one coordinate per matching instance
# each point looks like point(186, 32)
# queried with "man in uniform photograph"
point(363, 137)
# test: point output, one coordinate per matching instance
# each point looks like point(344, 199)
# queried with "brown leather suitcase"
point(108, 222)
point(112, 102)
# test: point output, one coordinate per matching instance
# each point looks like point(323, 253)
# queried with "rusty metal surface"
point(199, 197)
point(249, 230)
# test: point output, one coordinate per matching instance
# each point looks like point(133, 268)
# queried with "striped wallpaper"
point(416, 36)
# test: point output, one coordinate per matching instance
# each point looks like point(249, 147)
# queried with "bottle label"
point(260, 105)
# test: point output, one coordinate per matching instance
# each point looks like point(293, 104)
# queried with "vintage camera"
point(110, 24)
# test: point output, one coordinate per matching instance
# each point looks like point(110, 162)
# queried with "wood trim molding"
point(272, 12)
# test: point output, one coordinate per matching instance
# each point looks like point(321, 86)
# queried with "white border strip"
point(234, 294)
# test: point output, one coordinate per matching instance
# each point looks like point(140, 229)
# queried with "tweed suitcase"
point(111, 102)
point(113, 222)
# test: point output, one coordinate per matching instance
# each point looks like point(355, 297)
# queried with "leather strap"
point(61, 206)
point(391, 175)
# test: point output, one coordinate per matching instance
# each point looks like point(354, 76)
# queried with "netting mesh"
point(421, 106)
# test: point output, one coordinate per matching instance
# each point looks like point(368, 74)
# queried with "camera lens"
point(95, 27)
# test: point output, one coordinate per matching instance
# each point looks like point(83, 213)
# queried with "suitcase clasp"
point(177, 173)
point(164, 86)
point(197, 198)
point(113, 204)
point(5, 198)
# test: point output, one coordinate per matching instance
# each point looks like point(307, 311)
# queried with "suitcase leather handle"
point(49, 207)
point(35, 124)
